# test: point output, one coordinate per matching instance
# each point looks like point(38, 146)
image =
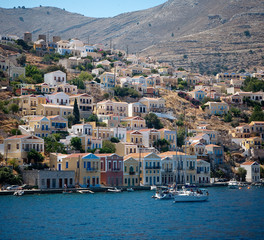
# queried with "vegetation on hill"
point(152, 121)
point(252, 84)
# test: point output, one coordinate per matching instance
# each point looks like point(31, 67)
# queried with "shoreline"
point(93, 189)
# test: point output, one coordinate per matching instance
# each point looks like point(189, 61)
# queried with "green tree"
point(21, 60)
point(76, 143)
point(84, 76)
point(257, 114)
point(162, 145)
point(13, 108)
point(114, 140)
point(16, 132)
point(35, 156)
point(76, 112)
point(152, 121)
point(236, 111)
point(228, 117)
point(52, 145)
point(7, 177)
point(241, 173)
point(108, 147)
point(92, 118)
point(13, 162)
point(70, 118)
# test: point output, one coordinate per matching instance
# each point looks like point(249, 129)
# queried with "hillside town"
point(75, 114)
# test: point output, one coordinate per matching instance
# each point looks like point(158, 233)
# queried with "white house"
point(253, 171)
point(203, 171)
point(59, 98)
point(80, 129)
point(55, 78)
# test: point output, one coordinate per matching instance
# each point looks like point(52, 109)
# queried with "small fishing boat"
point(130, 190)
point(18, 193)
point(115, 190)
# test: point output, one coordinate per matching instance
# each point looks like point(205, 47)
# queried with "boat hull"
point(185, 198)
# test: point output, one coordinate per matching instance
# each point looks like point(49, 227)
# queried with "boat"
point(116, 190)
point(164, 193)
point(191, 194)
point(233, 184)
point(130, 190)
point(153, 188)
point(67, 192)
point(18, 193)
point(85, 191)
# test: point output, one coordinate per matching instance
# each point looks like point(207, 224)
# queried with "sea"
point(228, 214)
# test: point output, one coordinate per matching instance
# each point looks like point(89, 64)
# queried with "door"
point(93, 181)
point(133, 182)
point(59, 166)
point(150, 180)
point(128, 181)
point(60, 183)
point(88, 182)
point(154, 180)
point(48, 183)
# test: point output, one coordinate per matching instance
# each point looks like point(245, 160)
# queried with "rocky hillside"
point(190, 33)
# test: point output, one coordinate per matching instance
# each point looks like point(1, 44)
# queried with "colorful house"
point(131, 172)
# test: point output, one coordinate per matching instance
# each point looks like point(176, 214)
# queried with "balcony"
point(168, 170)
point(132, 173)
point(191, 168)
point(180, 167)
point(91, 169)
point(152, 167)
point(116, 169)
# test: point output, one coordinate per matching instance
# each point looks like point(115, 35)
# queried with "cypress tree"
point(76, 113)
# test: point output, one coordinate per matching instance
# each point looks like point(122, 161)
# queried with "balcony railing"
point(180, 167)
point(191, 168)
point(152, 167)
point(91, 169)
point(116, 169)
point(132, 173)
point(168, 169)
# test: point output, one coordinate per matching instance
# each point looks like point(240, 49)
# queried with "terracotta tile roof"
point(77, 155)
point(18, 136)
point(212, 145)
point(171, 153)
point(137, 155)
point(247, 163)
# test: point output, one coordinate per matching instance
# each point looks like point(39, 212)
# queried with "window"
point(17, 146)
point(9, 146)
point(125, 180)
point(67, 164)
point(146, 179)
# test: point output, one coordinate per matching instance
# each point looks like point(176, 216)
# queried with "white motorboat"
point(192, 194)
point(85, 191)
point(18, 193)
point(116, 190)
point(233, 184)
point(130, 190)
point(153, 188)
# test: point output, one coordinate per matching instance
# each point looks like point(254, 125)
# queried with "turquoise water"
point(229, 214)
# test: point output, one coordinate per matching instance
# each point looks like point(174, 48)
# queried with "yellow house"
point(131, 172)
point(250, 144)
point(135, 137)
point(17, 147)
point(85, 103)
point(43, 126)
point(214, 108)
point(29, 103)
point(150, 167)
point(103, 133)
point(125, 148)
point(134, 122)
point(86, 166)
point(53, 109)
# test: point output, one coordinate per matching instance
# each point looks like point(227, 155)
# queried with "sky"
point(89, 8)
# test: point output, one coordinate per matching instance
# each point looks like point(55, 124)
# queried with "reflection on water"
point(229, 214)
